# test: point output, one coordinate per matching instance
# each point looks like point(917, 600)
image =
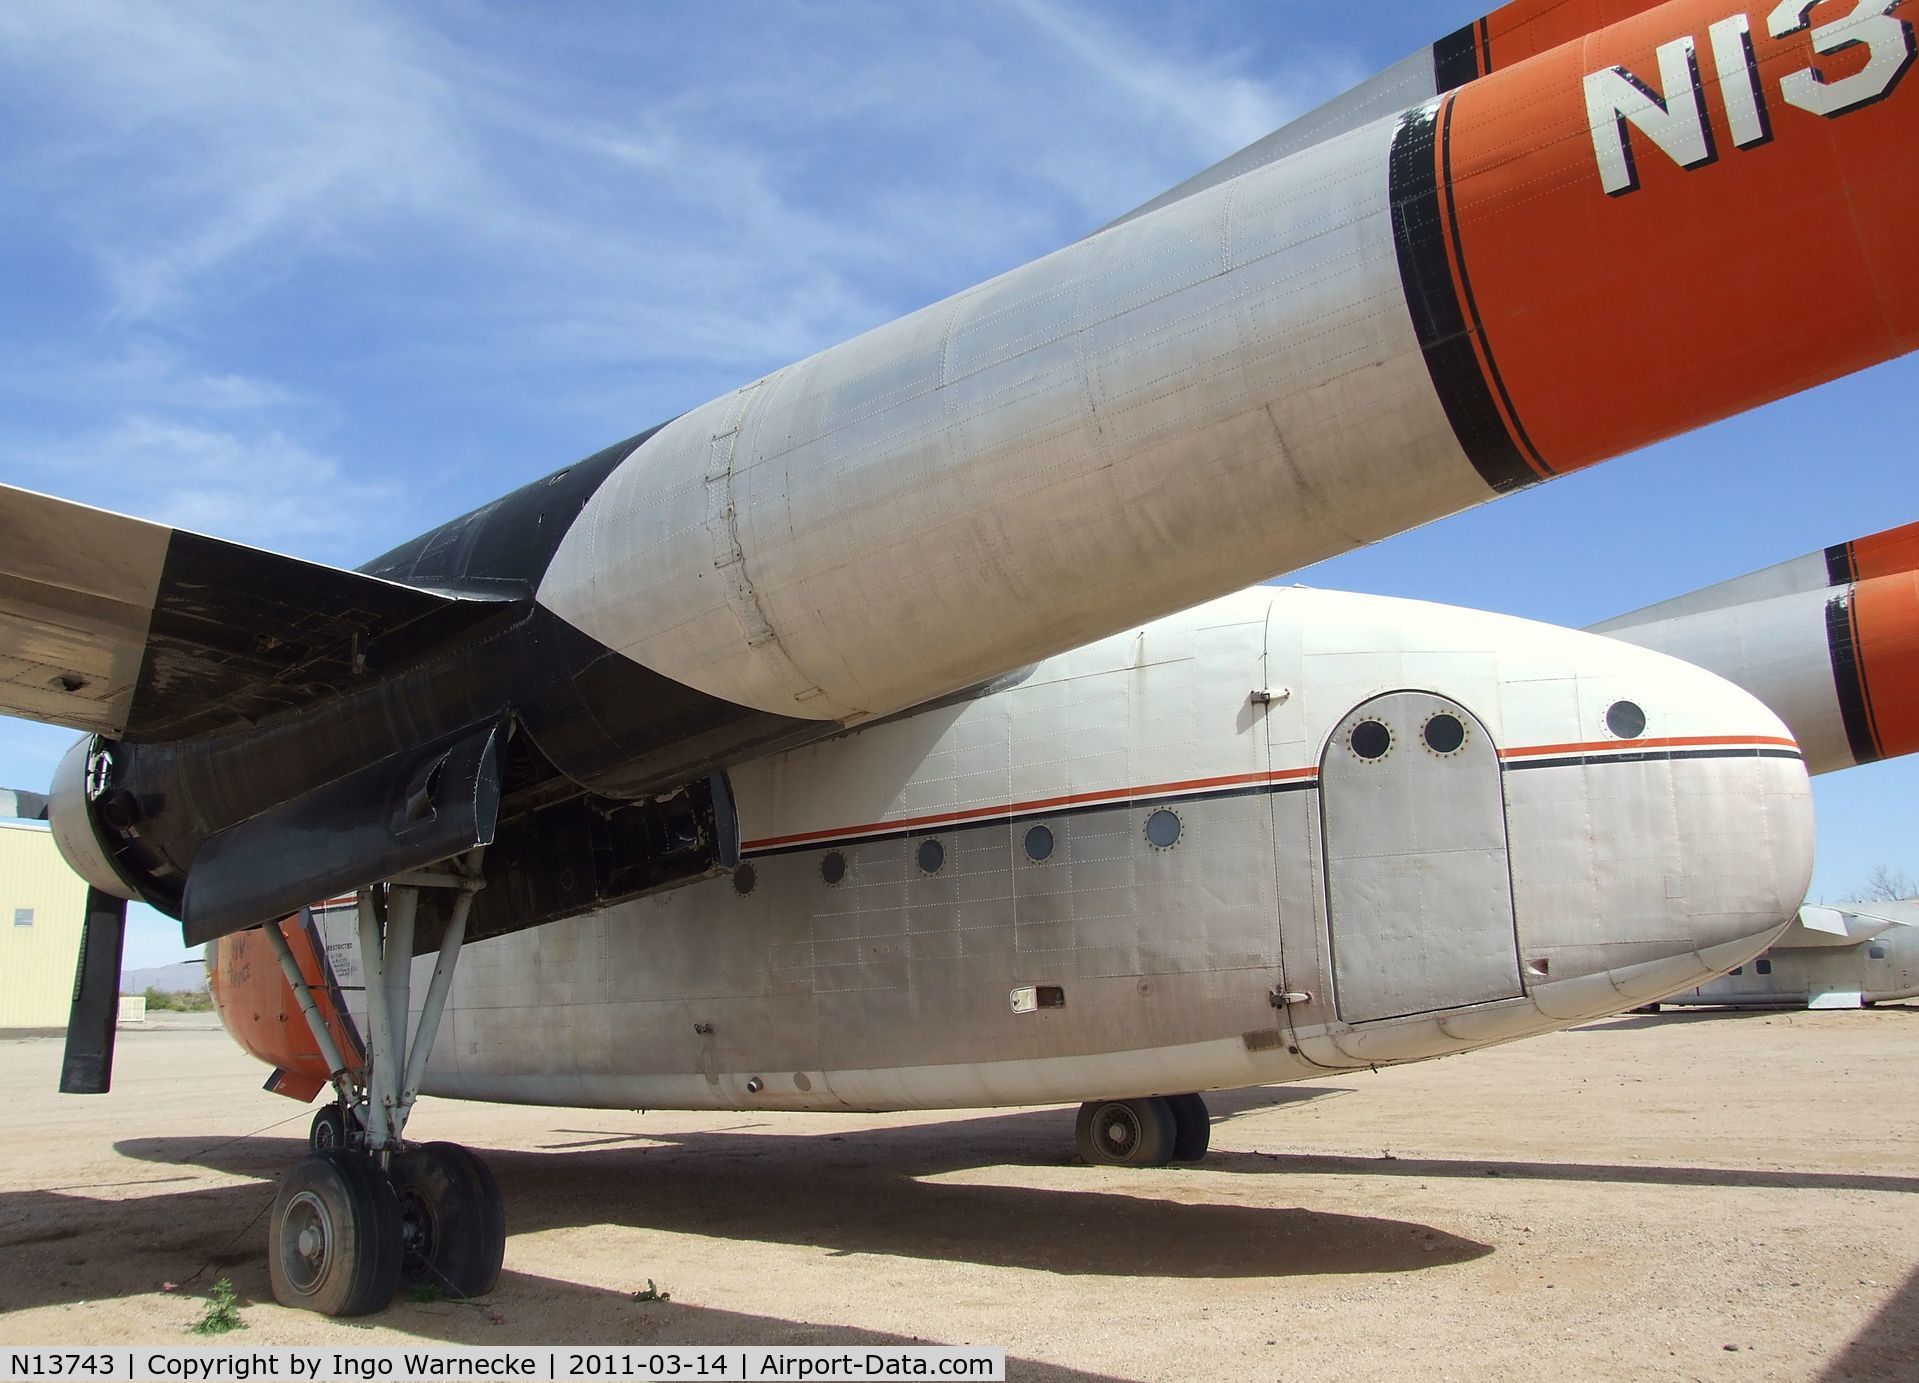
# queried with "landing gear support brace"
point(350, 1224)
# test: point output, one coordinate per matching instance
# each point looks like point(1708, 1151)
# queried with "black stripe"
point(1455, 60)
point(1528, 450)
point(1644, 756)
point(1048, 814)
point(1420, 236)
point(1849, 679)
point(1841, 570)
point(1485, 46)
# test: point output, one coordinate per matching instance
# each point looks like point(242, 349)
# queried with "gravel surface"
point(1673, 1196)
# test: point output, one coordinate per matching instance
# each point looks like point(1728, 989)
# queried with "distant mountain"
point(186, 977)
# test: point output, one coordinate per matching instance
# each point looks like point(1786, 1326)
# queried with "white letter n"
point(1675, 122)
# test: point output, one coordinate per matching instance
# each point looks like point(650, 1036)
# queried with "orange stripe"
point(1886, 554)
point(1885, 615)
point(1076, 799)
point(1512, 33)
point(1673, 742)
point(1041, 804)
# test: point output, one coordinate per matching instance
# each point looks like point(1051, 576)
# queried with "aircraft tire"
point(1193, 1127)
point(1126, 1133)
point(454, 1220)
point(332, 1127)
point(334, 1242)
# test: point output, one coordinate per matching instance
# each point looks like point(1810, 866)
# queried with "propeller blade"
point(88, 1066)
point(27, 806)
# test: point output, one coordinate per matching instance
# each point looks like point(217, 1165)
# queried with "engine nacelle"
point(83, 839)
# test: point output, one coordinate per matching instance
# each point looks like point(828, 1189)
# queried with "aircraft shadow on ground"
point(1886, 1345)
point(874, 1191)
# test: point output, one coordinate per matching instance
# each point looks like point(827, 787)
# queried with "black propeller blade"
point(88, 1066)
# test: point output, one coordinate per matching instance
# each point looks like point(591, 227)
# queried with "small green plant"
point(223, 1311)
point(425, 1293)
point(652, 1293)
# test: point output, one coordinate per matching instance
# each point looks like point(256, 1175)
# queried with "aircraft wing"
point(1847, 924)
point(122, 627)
point(1510, 34)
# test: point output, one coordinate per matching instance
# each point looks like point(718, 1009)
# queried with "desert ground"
point(1659, 1196)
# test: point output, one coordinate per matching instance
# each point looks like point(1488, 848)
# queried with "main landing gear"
point(364, 1213)
point(1146, 1132)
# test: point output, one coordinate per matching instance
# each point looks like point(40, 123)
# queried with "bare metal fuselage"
point(1318, 909)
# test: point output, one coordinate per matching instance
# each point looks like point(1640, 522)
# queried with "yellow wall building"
point(41, 906)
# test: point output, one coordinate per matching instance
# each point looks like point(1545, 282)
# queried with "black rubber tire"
point(1126, 1133)
point(350, 1265)
point(332, 1127)
point(454, 1218)
point(1192, 1125)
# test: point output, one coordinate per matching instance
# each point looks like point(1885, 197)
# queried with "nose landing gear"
point(364, 1213)
point(1149, 1132)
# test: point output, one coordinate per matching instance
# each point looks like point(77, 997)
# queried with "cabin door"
point(1418, 881)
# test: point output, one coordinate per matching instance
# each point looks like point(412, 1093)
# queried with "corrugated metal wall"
point(41, 902)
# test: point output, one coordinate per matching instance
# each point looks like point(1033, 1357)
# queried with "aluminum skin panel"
point(1418, 878)
point(892, 987)
point(1222, 390)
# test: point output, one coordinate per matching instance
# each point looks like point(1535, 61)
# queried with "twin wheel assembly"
point(347, 1233)
point(1147, 1132)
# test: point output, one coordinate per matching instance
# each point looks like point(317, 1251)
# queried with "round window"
point(1163, 829)
point(1039, 843)
point(1370, 740)
point(743, 879)
point(833, 867)
point(1444, 733)
point(931, 856)
point(1626, 720)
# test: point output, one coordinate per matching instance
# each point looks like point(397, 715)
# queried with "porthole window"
point(1876, 952)
point(1626, 720)
point(1163, 829)
point(1370, 740)
point(833, 867)
point(1444, 733)
point(931, 856)
point(744, 878)
point(1039, 843)
point(1763, 966)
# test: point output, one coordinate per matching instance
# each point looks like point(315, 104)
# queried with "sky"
point(317, 278)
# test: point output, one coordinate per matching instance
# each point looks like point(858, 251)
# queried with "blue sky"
point(316, 278)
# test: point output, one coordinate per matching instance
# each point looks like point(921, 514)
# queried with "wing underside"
point(121, 627)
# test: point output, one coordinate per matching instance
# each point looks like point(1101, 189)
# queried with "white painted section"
point(1634, 875)
point(1225, 389)
point(1775, 648)
point(1807, 573)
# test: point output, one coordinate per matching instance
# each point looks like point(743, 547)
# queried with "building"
point(42, 904)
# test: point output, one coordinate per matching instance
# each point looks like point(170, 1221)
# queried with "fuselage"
point(1236, 846)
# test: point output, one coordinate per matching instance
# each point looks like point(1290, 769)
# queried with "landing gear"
point(1194, 1128)
point(1147, 1132)
point(364, 1211)
point(335, 1236)
point(452, 1220)
point(334, 1126)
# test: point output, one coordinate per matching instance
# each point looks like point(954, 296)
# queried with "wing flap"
point(121, 627)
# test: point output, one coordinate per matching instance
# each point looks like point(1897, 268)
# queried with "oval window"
point(1370, 740)
point(1444, 733)
point(931, 856)
point(833, 867)
point(743, 879)
point(1626, 720)
point(1039, 843)
point(1163, 829)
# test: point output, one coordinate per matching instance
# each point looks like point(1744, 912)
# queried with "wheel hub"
point(306, 1242)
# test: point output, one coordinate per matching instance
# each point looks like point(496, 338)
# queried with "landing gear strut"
point(1147, 1132)
point(364, 1212)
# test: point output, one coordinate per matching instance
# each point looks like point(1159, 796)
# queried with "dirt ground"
point(1671, 1196)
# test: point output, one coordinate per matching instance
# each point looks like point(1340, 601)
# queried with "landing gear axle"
point(1147, 1132)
